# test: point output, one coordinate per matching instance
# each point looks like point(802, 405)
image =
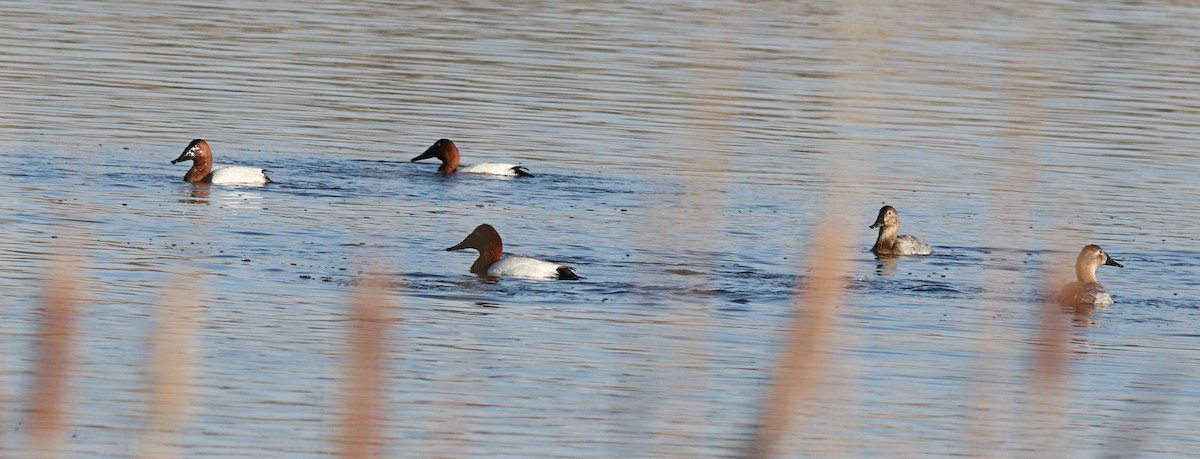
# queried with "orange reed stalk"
point(1051, 358)
point(172, 370)
point(52, 369)
point(1053, 344)
point(803, 356)
point(364, 387)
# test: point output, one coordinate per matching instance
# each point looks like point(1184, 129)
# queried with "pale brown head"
point(1090, 258)
point(887, 218)
point(487, 241)
point(444, 150)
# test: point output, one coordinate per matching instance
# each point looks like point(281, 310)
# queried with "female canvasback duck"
point(888, 243)
point(445, 150)
point(202, 170)
point(493, 262)
point(1087, 291)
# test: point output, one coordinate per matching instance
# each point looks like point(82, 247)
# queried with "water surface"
point(684, 154)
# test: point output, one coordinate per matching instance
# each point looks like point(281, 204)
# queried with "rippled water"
point(684, 153)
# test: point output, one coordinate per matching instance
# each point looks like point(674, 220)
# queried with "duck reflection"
point(197, 194)
point(886, 266)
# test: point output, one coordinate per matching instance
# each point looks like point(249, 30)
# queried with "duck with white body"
point(202, 170)
point(492, 260)
point(446, 151)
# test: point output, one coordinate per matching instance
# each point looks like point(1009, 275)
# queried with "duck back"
point(1084, 294)
point(908, 244)
point(529, 268)
point(239, 174)
point(511, 170)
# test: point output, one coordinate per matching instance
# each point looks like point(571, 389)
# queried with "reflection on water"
point(199, 194)
point(886, 266)
point(683, 156)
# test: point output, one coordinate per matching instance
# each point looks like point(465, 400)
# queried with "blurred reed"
point(49, 403)
point(174, 362)
point(172, 368)
point(365, 396)
point(696, 229)
point(802, 363)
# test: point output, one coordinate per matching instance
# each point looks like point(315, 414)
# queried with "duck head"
point(887, 218)
point(1090, 258)
point(1093, 255)
point(487, 241)
point(197, 149)
point(444, 150)
point(201, 157)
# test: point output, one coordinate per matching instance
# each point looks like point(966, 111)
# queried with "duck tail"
point(567, 273)
point(522, 171)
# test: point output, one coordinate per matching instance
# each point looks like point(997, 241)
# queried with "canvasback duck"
point(888, 243)
point(202, 170)
point(493, 262)
point(447, 152)
point(1087, 291)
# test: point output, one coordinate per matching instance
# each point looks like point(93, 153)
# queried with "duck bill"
point(1111, 262)
point(465, 244)
point(878, 223)
point(186, 155)
point(429, 153)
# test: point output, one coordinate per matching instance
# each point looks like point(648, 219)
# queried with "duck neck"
point(887, 239)
point(1085, 273)
point(201, 169)
point(449, 161)
point(487, 256)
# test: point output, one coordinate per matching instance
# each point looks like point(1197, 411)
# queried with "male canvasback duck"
point(888, 243)
point(493, 262)
point(445, 150)
point(1087, 291)
point(202, 170)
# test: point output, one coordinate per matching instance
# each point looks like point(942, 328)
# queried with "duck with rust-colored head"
point(493, 262)
point(1086, 290)
point(202, 170)
point(447, 152)
point(889, 243)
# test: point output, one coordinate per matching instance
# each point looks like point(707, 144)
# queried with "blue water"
point(685, 156)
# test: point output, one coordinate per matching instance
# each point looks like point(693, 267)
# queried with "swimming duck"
point(888, 243)
point(445, 150)
point(202, 170)
point(1087, 291)
point(493, 262)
